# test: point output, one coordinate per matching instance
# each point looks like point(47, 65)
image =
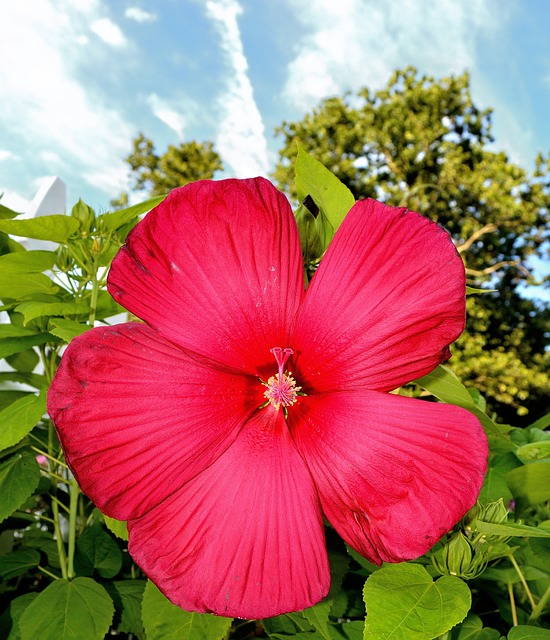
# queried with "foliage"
point(421, 143)
point(178, 165)
point(64, 567)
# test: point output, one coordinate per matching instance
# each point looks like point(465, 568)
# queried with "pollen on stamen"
point(281, 388)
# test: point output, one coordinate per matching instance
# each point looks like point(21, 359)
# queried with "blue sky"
point(80, 78)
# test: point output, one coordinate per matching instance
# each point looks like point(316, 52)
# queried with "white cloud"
point(139, 15)
point(353, 43)
point(51, 115)
point(109, 32)
point(164, 112)
point(241, 137)
point(6, 154)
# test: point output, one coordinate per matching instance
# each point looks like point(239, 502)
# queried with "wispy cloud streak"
point(241, 135)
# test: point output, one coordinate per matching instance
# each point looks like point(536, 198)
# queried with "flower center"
point(281, 388)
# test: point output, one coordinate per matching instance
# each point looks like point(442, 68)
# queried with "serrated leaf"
point(18, 562)
point(19, 477)
point(404, 603)
point(67, 610)
point(531, 481)
point(19, 418)
point(33, 309)
point(332, 197)
point(162, 620)
point(118, 527)
point(127, 596)
point(66, 329)
point(117, 219)
point(56, 228)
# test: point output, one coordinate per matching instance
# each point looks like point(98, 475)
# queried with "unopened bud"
point(494, 512)
point(457, 558)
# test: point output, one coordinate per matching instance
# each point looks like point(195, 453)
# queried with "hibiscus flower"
point(245, 408)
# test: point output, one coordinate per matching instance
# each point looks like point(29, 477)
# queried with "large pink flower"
point(244, 407)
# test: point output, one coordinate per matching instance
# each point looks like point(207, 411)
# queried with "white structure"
point(50, 198)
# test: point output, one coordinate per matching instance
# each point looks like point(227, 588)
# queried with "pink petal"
point(245, 537)
point(137, 417)
point(217, 269)
point(385, 303)
point(394, 474)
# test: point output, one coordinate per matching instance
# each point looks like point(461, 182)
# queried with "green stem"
point(513, 604)
point(541, 605)
point(55, 507)
point(93, 299)
point(73, 509)
point(523, 581)
point(48, 573)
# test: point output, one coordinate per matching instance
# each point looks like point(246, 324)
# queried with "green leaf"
point(25, 284)
point(348, 631)
point(332, 197)
point(444, 385)
point(525, 632)
point(66, 329)
point(67, 610)
point(534, 451)
point(19, 477)
point(9, 620)
point(9, 346)
point(117, 219)
point(404, 603)
point(495, 485)
point(24, 364)
point(18, 562)
point(531, 481)
point(127, 596)
point(118, 527)
point(512, 529)
point(6, 213)
point(27, 261)
point(32, 379)
point(56, 228)
point(318, 615)
point(541, 423)
point(19, 418)
point(472, 629)
point(97, 550)
point(34, 309)
point(162, 620)
point(470, 291)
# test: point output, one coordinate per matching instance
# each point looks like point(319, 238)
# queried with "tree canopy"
point(422, 143)
point(178, 165)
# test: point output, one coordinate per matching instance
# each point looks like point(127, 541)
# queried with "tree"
point(178, 165)
point(421, 143)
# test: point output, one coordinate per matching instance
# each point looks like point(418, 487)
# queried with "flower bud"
point(494, 512)
point(457, 558)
